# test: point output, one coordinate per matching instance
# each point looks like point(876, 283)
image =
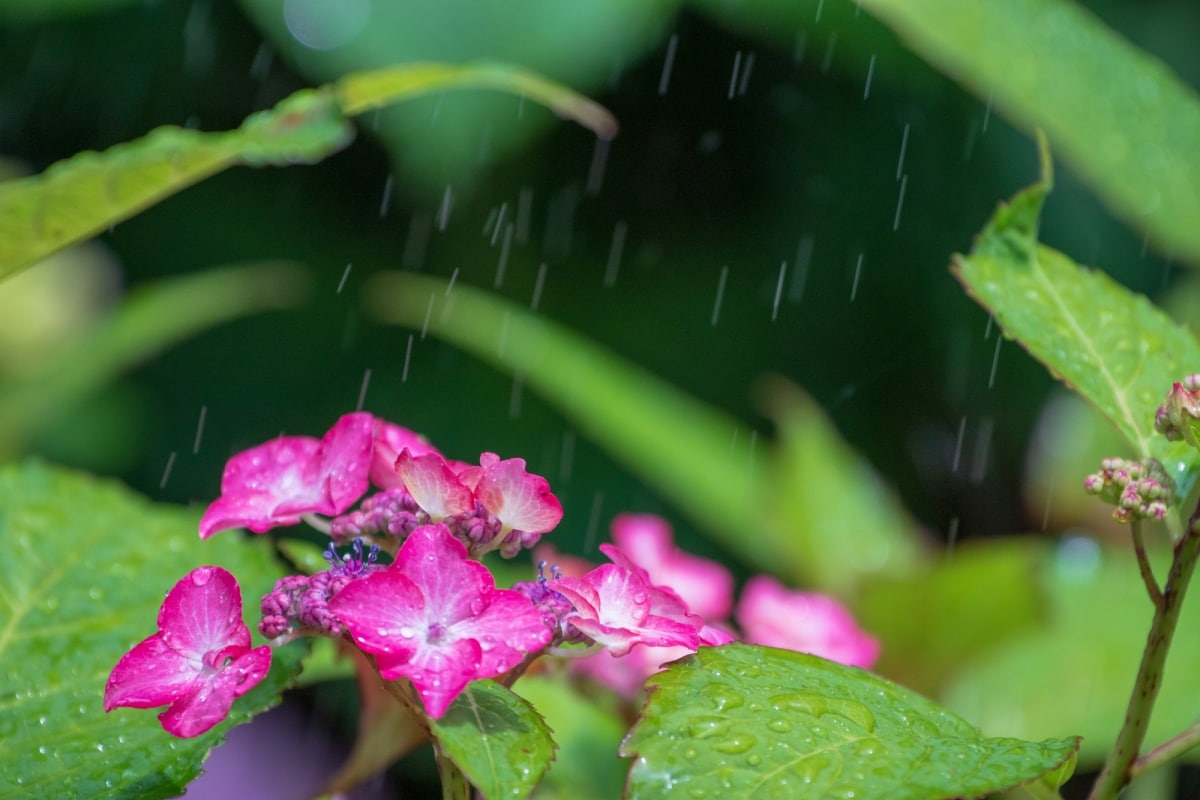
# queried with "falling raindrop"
point(820, 5)
point(407, 358)
point(386, 202)
point(857, 273)
point(983, 445)
point(827, 59)
point(499, 223)
point(903, 150)
point(537, 287)
point(958, 447)
point(668, 64)
point(447, 205)
point(264, 56)
point(362, 390)
point(716, 312)
point(870, 72)
point(428, 314)
point(747, 68)
point(952, 535)
point(503, 262)
point(995, 362)
point(733, 79)
point(987, 113)
point(778, 291)
point(342, 282)
point(595, 179)
point(900, 202)
point(804, 251)
point(199, 430)
point(614, 254)
point(167, 472)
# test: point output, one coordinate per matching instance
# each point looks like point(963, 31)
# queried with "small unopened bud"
point(1136, 489)
point(1178, 417)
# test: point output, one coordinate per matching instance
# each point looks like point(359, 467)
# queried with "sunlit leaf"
point(1125, 123)
point(150, 319)
point(497, 739)
point(742, 721)
point(86, 566)
point(1110, 345)
point(90, 192)
point(1075, 672)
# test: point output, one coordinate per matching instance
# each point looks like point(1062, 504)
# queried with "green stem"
point(1168, 750)
point(1118, 767)
point(1139, 548)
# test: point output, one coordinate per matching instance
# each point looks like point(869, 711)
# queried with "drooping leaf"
point(586, 765)
point(743, 721)
point(86, 566)
point(497, 739)
point(149, 320)
point(1075, 672)
point(1110, 345)
point(1120, 117)
point(90, 192)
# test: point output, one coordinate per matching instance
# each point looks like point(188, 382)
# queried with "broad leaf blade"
point(86, 567)
point(497, 739)
point(742, 721)
point(1123, 121)
point(1113, 347)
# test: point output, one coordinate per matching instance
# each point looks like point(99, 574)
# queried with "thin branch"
point(1168, 750)
point(1139, 547)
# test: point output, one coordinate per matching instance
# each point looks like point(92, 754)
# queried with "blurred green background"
point(758, 140)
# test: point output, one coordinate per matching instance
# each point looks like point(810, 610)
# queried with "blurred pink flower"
point(706, 586)
point(772, 615)
point(199, 661)
point(436, 617)
point(275, 483)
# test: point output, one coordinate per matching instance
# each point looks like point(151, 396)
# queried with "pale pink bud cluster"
point(1179, 415)
point(392, 512)
point(1141, 490)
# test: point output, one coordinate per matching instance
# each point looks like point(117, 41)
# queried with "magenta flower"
point(706, 586)
point(436, 617)
point(618, 607)
point(772, 615)
point(275, 483)
point(496, 505)
point(389, 441)
point(199, 661)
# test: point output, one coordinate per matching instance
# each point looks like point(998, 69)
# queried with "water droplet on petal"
point(202, 575)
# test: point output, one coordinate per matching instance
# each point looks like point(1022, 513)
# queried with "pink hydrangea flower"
point(275, 483)
point(521, 506)
point(706, 586)
point(618, 607)
point(772, 615)
point(436, 617)
point(199, 661)
point(389, 440)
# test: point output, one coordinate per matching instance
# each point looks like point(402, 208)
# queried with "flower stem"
point(455, 785)
point(1139, 548)
point(1172, 748)
point(1118, 768)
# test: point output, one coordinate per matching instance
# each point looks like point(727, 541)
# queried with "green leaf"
point(90, 192)
point(1113, 347)
point(1075, 672)
point(981, 595)
point(46, 10)
point(586, 765)
point(497, 739)
point(743, 721)
point(1124, 122)
point(86, 567)
point(150, 319)
point(828, 505)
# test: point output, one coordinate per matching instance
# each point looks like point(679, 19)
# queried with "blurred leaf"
point(1113, 347)
point(671, 441)
point(86, 567)
point(307, 557)
point(1075, 672)
point(46, 10)
point(828, 503)
point(586, 765)
point(497, 739)
point(325, 662)
point(89, 192)
point(980, 595)
point(386, 729)
point(151, 318)
point(1119, 116)
point(743, 721)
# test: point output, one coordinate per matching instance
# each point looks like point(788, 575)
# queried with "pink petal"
point(706, 586)
point(345, 460)
point(389, 440)
point(384, 613)
point(203, 613)
point(199, 711)
point(151, 675)
point(772, 615)
point(257, 481)
point(453, 585)
point(440, 673)
point(519, 500)
point(433, 485)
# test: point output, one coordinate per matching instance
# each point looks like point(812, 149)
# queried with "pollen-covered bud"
point(1179, 415)
point(1136, 489)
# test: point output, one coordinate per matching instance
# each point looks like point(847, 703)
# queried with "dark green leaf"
point(86, 567)
point(1124, 122)
point(742, 721)
point(1111, 346)
point(497, 739)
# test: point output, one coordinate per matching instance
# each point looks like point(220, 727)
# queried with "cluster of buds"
point(300, 603)
point(1179, 415)
point(1138, 489)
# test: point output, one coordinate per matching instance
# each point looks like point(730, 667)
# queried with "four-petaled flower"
point(275, 483)
point(436, 617)
point(618, 607)
point(199, 661)
point(770, 614)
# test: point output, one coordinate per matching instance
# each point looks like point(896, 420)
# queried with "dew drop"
point(754, 759)
point(202, 575)
point(738, 743)
point(407, 632)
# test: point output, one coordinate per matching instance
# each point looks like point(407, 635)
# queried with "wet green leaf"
point(150, 319)
point(497, 739)
point(86, 567)
point(743, 721)
point(1124, 122)
point(1113, 347)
